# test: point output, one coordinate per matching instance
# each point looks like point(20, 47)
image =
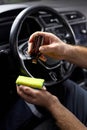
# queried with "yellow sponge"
point(29, 81)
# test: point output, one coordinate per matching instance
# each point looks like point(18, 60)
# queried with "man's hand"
point(64, 118)
point(38, 97)
point(52, 46)
point(57, 49)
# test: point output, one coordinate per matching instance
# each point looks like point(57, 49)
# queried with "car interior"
point(18, 20)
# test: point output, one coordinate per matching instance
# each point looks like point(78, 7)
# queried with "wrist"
point(68, 52)
point(54, 102)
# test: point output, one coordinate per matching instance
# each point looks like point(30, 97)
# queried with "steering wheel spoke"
point(23, 51)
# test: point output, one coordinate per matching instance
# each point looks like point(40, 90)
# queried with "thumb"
point(44, 49)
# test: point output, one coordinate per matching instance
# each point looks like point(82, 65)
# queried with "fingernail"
point(44, 88)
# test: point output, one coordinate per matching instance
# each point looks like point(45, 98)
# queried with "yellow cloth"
point(29, 81)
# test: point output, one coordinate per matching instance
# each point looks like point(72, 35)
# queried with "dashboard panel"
point(76, 19)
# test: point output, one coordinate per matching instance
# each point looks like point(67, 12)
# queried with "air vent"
point(74, 16)
point(49, 19)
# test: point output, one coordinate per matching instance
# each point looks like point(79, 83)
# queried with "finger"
point(44, 88)
point(28, 90)
point(46, 49)
point(32, 41)
point(30, 47)
point(46, 35)
point(23, 95)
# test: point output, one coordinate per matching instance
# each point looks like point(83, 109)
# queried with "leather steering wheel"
point(52, 71)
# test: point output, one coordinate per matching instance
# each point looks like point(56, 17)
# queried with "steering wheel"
point(53, 71)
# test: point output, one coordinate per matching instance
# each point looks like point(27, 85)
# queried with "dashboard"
point(76, 19)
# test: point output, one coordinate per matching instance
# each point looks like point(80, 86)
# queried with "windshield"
point(14, 1)
point(54, 1)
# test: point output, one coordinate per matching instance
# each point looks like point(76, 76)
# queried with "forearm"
point(76, 55)
point(65, 119)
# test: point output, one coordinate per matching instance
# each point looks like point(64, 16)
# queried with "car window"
point(54, 1)
point(14, 1)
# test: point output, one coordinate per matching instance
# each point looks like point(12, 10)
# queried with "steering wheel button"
point(53, 76)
